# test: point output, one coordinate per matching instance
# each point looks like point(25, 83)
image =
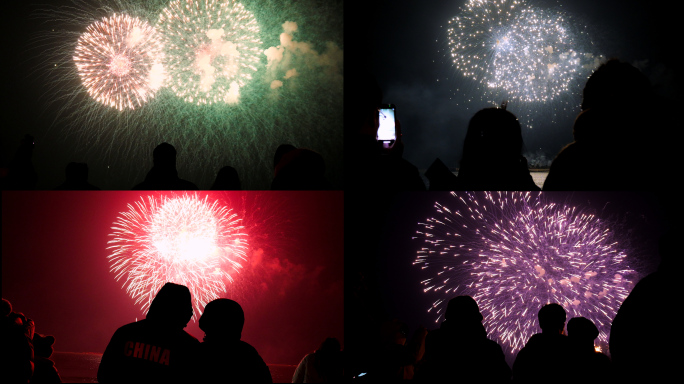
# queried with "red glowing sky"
point(55, 268)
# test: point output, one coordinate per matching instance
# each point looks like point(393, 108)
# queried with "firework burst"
point(119, 59)
point(213, 48)
point(182, 239)
point(514, 253)
point(528, 53)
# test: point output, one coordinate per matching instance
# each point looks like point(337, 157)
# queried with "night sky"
point(37, 99)
point(55, 268)
point(407, 56)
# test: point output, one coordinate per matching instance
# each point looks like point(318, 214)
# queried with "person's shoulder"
point(188, 338)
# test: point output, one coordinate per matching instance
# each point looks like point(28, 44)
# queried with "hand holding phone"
point(387, 129)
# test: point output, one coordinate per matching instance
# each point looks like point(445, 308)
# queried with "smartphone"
point(387, 132)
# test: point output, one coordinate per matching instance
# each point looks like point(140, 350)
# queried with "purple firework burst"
point(515, 252)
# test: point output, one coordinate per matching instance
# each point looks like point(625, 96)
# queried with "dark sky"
point(55, 268)
point(406, 55)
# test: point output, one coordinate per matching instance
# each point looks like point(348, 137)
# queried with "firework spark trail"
point(213, 48)
point(528, 52)
point(184, 240)
point(515, 252)
point(119, 60)
point(304, 113)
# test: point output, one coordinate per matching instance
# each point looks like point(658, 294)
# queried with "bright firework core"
point(528, 53)
point(119, 61)
point(514, 253)
point(184, 240)
point(212, 48)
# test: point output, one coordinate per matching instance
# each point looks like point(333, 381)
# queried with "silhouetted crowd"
point(25, 353)
point(621, 130)
point(642, 346)
point(293, 169)
point(158, 349)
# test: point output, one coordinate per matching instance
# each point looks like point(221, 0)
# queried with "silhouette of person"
point(545, 354)
point(45, 371)
point(222, 353)
point(227, 179)
point(587, 365)
point(614, 131)
point(492, 155)
point(322, 366)
point(21, 173)
point(17, 360)
point(371, 166)
point(156, 348)
point(300, 169)
point(460, 350)
point(641, 344)
point(76, 178)
point(163, 175)
point(279, 153)
point(396, 359)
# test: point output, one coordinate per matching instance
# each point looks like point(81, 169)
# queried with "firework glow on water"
point(182, 239)
point(515, 252)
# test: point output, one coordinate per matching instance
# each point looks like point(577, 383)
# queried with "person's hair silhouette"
point(584, 359)
point(223, 353)
point(227, 179)
point(492, 154)
point(460, 349)
point(616, 131)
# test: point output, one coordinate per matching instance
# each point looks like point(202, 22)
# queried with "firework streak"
point(515, 252)
point(504, 44)
point(181, 239)
point(119, 60)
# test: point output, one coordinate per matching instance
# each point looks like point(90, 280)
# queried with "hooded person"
point(156, 348)
point(225, 357)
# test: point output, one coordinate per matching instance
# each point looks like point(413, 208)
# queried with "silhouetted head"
point(582, 328)
point(552, 318)
point(164, 155)
point(18, 318)
point(330, 345)
point(171, 306)
point(42, 345)
point(5, 308)
point(77, 172)
point(280, 152)
point(227, 179)
point(493, 133)
point(463, 309)
point(223, 318)
point(616, 84)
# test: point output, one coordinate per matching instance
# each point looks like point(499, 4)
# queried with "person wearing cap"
point(156, 348)
point(223, 355)
point(460, 350)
